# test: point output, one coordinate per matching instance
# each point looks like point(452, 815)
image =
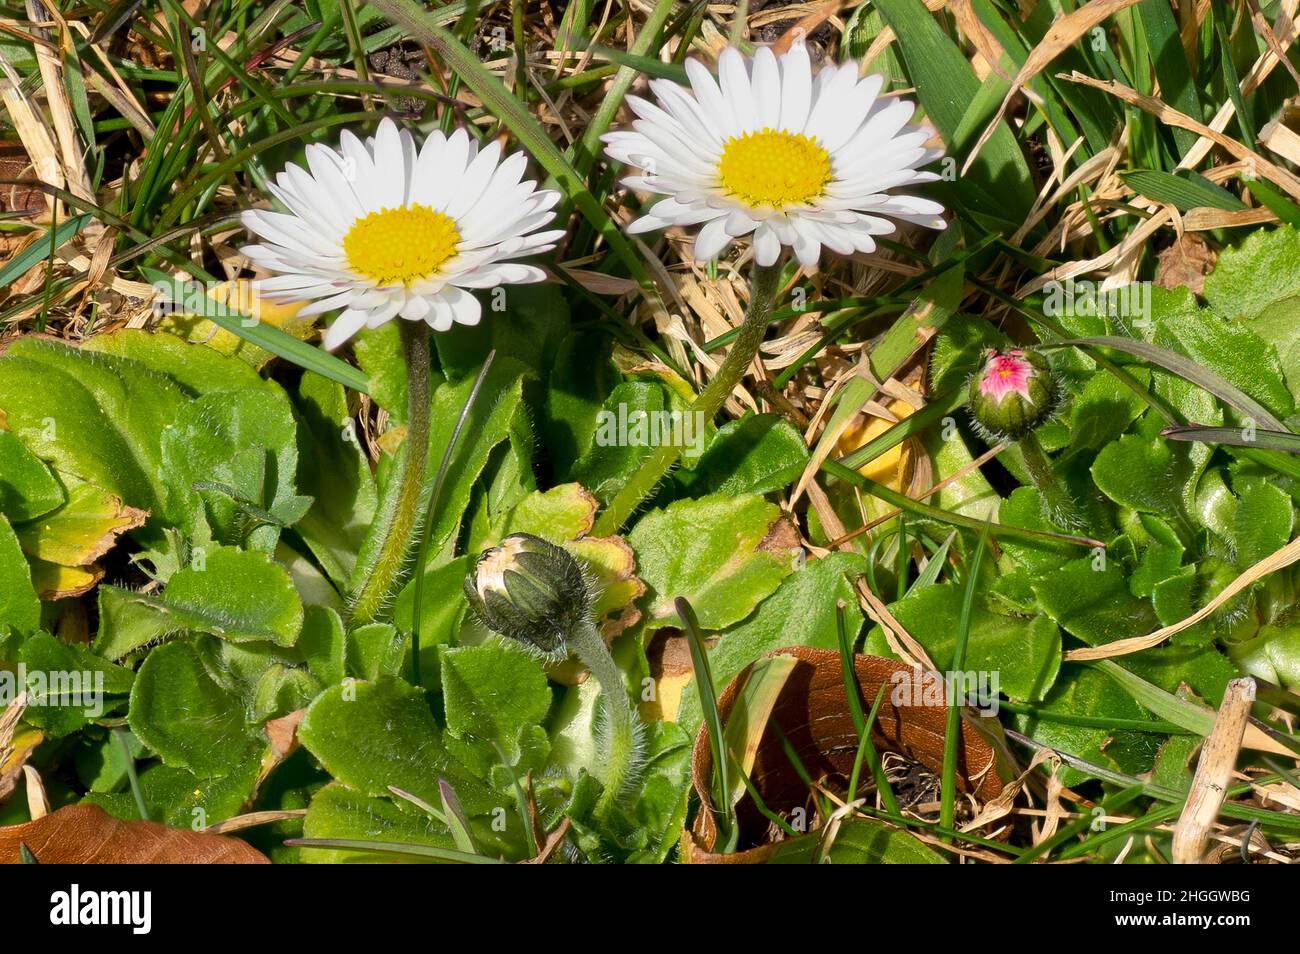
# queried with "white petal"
point(440, 316)
point(767, 247)
point(832, 100)
point(767, 89)
point(711, 240)
point(344, 327)
point(504, 273)
point(416, 308)
point(327, 168)
point(476, 178)
point(858, 103)
point(384, 313)
point(796, 88)
point(736, 91)
point(739, 222)
point(465, 308)
point(359, 169)
point(447, 170)
point(806, 246)
point(710, 98)
point(327, 304)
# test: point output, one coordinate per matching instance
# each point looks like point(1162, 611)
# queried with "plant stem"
point(620, 730)
point(764, 284)
point(374, 595)
point(1061, 508)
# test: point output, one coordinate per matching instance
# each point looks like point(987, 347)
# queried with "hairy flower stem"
point(620, 755)
point(373, 596)
point(765, 281)
point(1061, 507)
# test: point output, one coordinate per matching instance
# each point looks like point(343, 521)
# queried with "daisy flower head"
point(769, 148)
point(383, 229)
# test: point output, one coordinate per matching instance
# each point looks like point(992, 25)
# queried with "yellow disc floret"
point(774, 168)
point(400, 246)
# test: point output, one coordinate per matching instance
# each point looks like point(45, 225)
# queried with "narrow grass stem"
point(373, 597)
point(422, 551)
point(765, 281)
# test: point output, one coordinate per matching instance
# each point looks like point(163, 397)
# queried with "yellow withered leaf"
point(241, 296)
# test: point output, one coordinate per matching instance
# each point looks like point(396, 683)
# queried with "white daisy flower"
point(382, 229)
point(769, 149)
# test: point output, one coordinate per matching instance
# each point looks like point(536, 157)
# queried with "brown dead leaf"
point(671, 668)
point(86, 834)
point(1186, 262)
point(782, 538)
point(16, 747)
point(813, 713)
point(23, 200)
point(282, 733)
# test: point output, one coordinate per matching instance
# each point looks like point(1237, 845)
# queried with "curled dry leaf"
point(282, 733)
point(1185, 262)
point(812, 711)
point(85, 834)
point(16, 745)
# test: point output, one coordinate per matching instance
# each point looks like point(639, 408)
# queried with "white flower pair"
point(383, 229)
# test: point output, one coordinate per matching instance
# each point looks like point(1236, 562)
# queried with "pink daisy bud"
point(1013, 392)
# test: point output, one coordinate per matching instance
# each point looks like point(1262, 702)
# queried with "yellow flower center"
point(775, 168)
point(400, 246)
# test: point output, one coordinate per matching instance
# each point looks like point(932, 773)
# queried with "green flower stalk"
point(535, 593)
point(765, 281)
point(1012, 394)
point(379, 578)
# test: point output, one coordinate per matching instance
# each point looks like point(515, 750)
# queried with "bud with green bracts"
point(535, 593)
point(530, 590)
point(1013, 392)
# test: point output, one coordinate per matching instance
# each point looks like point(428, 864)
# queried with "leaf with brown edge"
point(82, 530)
point(87, 835)
point(812, 711)
point(54, 581)
point(63, 545)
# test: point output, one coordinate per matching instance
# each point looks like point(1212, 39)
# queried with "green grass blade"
point(908, 505)
point(1185, 367)
point(999, 183)
point(1283, 441)
point(728, 834)
point(952, 728)
point(1184, 192)
point(59, 236)
point(861, 724)
point(394, 848)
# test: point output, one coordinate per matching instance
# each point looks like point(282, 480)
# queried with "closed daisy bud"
point(534, 592)
point(1013, 392)
point(531, 591)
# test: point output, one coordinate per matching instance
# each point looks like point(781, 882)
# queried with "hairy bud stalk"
point(381, 574)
